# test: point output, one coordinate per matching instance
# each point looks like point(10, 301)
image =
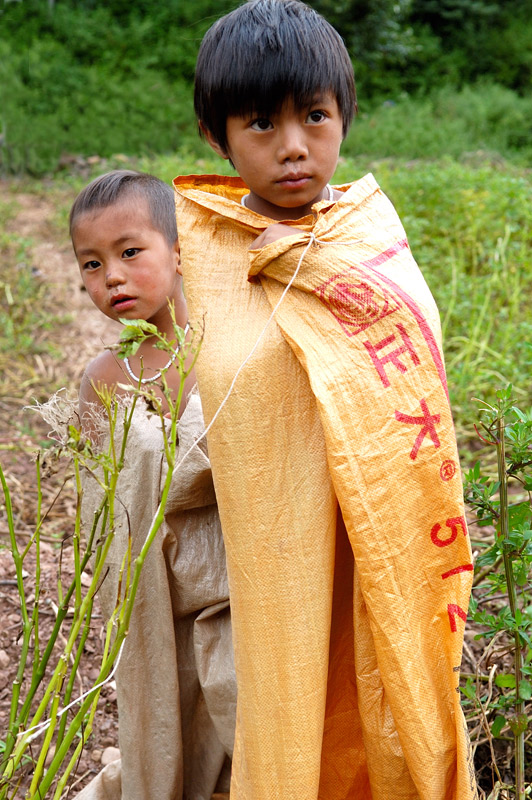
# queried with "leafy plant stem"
point(512, 598)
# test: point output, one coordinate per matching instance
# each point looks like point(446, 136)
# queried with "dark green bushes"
point(448, 122)
point(52, 106)
point(87, 77)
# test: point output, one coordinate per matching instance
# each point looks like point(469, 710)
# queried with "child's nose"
point(114, 274)
point(292, 145)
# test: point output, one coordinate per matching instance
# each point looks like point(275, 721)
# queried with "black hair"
point(261, 54)
point(111, 188)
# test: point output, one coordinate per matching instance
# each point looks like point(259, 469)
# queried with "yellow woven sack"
point(339, 491)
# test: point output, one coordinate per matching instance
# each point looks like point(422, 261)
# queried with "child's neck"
point(279, 213)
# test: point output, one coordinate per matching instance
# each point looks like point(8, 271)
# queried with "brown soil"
point(83, 336)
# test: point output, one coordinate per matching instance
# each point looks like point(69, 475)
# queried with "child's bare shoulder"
point(106, 370)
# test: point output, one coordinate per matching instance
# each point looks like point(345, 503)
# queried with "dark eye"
point(130, 252)
point(261, 124)
point(316, 116)
point(90, 265)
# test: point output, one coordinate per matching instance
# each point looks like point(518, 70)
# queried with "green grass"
point(29, 315)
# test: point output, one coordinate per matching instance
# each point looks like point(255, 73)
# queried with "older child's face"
point(127, 266)
point(288, 158)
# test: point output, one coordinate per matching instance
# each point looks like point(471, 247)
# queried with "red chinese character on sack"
point(428, 424)
point(356, 304)
point(392, 356)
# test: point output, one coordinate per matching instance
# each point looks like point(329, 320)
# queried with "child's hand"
point(276, 231)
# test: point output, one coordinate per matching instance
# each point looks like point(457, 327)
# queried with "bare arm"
point(274, 232)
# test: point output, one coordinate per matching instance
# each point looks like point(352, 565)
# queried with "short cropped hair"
point(115, 186)
point(263, 53)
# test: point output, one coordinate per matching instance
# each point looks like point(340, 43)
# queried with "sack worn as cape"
point(175, 682)
point(339, 490)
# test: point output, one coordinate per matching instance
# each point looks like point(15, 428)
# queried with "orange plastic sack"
point(336, 440)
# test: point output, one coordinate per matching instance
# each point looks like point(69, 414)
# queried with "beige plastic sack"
point(335, 441)
point(175, 682)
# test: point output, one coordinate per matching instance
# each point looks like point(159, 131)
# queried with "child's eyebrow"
point(121, 239)
point(321, 97)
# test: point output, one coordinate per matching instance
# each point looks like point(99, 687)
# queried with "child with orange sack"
point(330, 434)
point(175, 678)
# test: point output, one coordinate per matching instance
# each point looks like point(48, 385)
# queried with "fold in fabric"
point(338, 484)
point(176, 685)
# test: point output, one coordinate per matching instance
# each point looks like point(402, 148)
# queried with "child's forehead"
point(126, 217)
point(289, 102)
point(132, 207)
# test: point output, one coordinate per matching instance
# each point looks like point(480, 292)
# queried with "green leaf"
point(518, 724)
point(525, 690)
point(524, 638)
point(133, 334)
point(133, 326)
point(520, 414)
point(521, 578)
point(468, 689)
point(504, 394)
point(515, 538)
point(505, 681)
point(519, 514)
point(527, 481)
point(497, 725)
point(485, 520)
point(489, 556)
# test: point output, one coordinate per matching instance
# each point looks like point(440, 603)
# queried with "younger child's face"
point(127, 266)
point(286, 160)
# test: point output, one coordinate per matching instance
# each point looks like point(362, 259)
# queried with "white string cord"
point(313, 240)
point(42, 726)
point(250, 355)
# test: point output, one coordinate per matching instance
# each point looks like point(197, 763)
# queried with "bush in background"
point(447, 122)
point(85, 77)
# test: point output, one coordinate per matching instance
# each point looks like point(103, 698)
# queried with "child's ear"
point(212, 141)
point(177, 256)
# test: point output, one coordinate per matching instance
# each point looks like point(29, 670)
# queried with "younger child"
point(175, 680)
point(333, 452)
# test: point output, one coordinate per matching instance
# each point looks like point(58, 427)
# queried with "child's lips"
point(294, 181)
point(123, 302)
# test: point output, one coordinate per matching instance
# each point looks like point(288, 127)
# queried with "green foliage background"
point(88, 77)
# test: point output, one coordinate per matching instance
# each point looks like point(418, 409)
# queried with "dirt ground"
point(80, 339)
